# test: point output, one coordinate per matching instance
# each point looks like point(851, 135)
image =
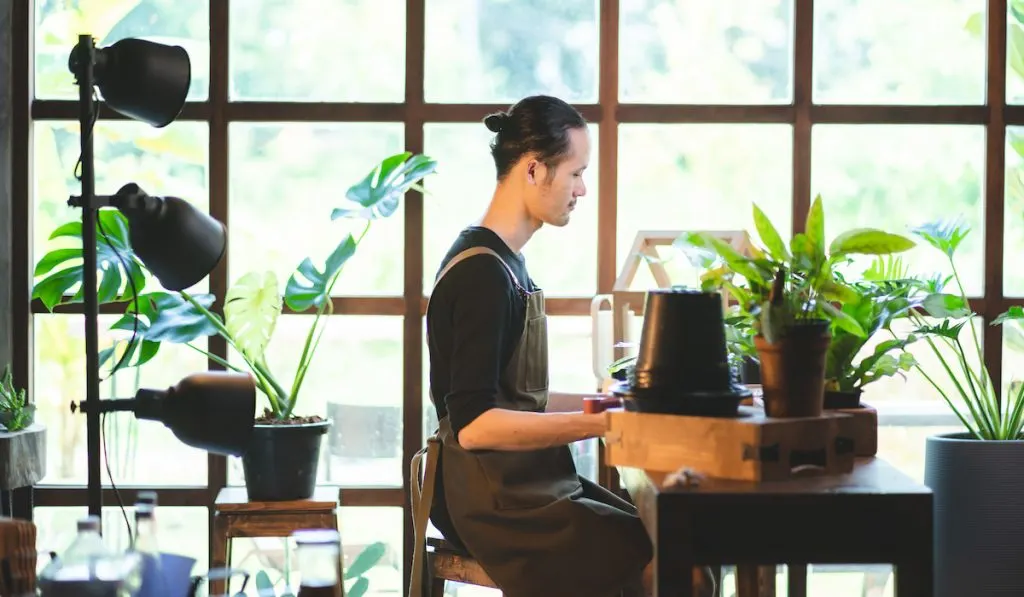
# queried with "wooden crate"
point(751, 447)
point(862, 426)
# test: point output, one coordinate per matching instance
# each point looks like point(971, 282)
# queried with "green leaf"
point(835, 291)
point(842, 320)
point(770, 236)
point(696, 248)
point(51, 290)
point(176, 320)
point(309, 287)
point(263, 584)
point(366, 560)
point(1014, 313)
point(379, 193)
point(814, 229)
point(941, 306)
point(945, 329)
point(251, 308)
point(359, 588)
point(944, 235)
point(869, 241)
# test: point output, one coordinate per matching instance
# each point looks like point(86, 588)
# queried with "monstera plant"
point(281, 462)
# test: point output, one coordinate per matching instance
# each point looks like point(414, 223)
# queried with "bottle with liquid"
point(319, 562)
point(145, 550)
point(86, 568)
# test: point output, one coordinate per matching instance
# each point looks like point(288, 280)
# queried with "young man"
point(506, 487)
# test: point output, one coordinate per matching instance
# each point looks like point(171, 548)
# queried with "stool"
point(446, 561)
point(235, 516)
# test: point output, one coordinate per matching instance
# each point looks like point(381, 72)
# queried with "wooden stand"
point(751, 447)
point(22, 457)
point(862, 426)
point(235, 516)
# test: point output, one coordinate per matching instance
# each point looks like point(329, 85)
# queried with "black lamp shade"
point(213, 410)
point(143, 80)
point(178, 243)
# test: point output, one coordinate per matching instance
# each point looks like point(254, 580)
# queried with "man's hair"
point(537, 125)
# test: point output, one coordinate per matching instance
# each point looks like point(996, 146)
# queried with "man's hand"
point(503, 429)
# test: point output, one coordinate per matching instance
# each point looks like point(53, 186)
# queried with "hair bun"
point(495, 122)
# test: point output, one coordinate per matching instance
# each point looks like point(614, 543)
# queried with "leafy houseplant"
point(788, 295)
point(16, 413)
point(974, 474)
point(281, 462)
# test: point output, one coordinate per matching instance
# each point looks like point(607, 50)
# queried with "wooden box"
point(751, 447)
point(862, 426)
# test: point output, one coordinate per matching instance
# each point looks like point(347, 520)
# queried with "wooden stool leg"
point(221, 553)
point(437, 588)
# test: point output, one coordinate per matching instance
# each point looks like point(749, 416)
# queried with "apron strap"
point(422, 500)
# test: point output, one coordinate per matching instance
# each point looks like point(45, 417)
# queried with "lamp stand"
point(84, 73)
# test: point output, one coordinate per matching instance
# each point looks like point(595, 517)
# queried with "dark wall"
point(6, 9)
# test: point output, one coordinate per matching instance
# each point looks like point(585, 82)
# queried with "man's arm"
point(485, 317)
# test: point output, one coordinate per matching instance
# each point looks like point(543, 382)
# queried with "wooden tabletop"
point(236, 499)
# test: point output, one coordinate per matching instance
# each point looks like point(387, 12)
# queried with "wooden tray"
point(751, 447)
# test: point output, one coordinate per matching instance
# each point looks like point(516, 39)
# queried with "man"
point(506, 487)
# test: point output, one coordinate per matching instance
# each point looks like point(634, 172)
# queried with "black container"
point(281, 462)
point(682, 364)
point(842, 399)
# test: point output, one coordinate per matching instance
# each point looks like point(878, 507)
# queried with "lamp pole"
point(83, 63)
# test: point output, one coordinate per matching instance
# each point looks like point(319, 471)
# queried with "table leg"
point(755, 581)
point(796, 578)
point(914, 578)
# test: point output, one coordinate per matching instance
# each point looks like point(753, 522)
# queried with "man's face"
point(553, 192)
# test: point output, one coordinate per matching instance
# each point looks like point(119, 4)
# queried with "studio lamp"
point(180, 245)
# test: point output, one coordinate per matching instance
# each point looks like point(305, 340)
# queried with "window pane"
point(910, 52)
point(745, 49)
point(1015, 54)
point(184, 23)
point(1013, 357)
point(59, 379)
point(169, 161)
point(1013, 276)
point(280, 49)
point(903, 447)
point(285, 180)
point(499, 51)
point(355, 379)
point(912, 174)
point(360, 527)
point(670, 175)
point(180, 530)
point(562, 261)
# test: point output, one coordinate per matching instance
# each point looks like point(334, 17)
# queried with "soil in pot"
point(842, 399)
point(282, 459)
point(793, 370)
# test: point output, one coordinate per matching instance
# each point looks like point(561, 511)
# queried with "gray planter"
point(978, 489)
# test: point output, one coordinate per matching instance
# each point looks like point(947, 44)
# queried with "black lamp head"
point(143, 80)
point(177, 242)
point(213, 410)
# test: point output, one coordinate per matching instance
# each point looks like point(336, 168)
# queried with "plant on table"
point(793, 296)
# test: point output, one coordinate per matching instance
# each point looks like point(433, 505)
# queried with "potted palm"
point(792, 294)
point(974, 473)
point(281, 463)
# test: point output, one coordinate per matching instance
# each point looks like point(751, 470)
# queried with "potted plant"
point(792, 296)
point(974, 474)
point(885, 294)
point(281, 463)
point(22, 441)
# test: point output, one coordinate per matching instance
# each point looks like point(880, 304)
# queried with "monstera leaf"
point(251, 308)
point(116, 263)
point(379, 193)
point(310, 287)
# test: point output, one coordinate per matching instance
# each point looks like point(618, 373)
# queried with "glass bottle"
point(145, 549)
point(319, 562)
point(87, 568)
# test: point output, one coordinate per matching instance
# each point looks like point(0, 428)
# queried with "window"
point(711, 109)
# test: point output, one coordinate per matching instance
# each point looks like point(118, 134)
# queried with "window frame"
point(414, 112)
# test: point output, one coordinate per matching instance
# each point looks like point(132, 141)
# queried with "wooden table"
point(874, 515)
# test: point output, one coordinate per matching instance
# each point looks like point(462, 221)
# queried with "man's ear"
point(535, 172)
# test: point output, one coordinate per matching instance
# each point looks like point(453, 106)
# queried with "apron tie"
point(422, 500)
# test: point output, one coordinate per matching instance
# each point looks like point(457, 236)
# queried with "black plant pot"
point(978, 493)
point(842, 398)
point(281, 462)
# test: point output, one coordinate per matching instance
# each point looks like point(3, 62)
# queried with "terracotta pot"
point(793, 370)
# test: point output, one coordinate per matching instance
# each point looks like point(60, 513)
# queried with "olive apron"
point(535, 526)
